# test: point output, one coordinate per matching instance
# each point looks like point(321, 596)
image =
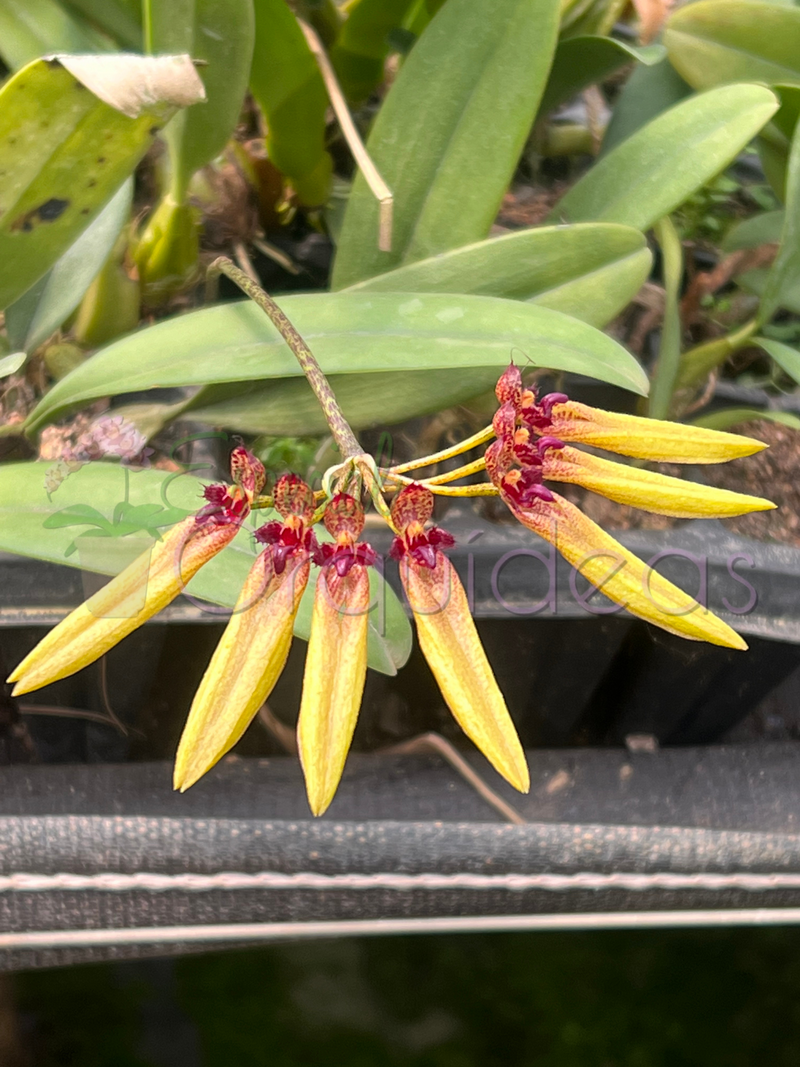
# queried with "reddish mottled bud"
point(344, 518)
point(414, 504)
point(247, 472)
point(505, 420)
point(509, 386)
point(293, 497)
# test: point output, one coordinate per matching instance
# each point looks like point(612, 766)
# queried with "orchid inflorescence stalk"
point(530, 446)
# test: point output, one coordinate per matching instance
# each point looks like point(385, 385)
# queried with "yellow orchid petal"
point(146, 586)
point(622, 576)
point(631, 435)
point(333, 683)
point(646, 489)
point(244, 668)
point(450, 643)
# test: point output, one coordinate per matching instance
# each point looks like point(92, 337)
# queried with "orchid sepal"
point(619, 574)
point(450, 644)
point(333, 682)
point(244, 668)
point(151, 582)
point(642, 438)
point(645, 489)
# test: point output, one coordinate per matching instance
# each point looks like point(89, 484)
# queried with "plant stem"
point(481, 489)
point(475, 467)
point(340, 428)
point(700, 361)
point(669, 354)
point(380, 190)
point(479, 438)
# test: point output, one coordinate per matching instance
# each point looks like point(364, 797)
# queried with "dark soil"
point(772, 473)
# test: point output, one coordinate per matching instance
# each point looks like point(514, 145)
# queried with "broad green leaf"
point(289, 406)
point(648, 92)
point(714, 42)
point(590, 271)
point(784, 274)
point(773, 151)
point(120, 19)
point(25, 508)
point(590, 17)
point(763, 229)
point(363, 44)
point(68, 150)
point(756, 282)
point(348, 333)
point(33, 28)
point(11, 363)
point(450, 133)
point(657, 168)
point(582, 61)
point(665, 375)
point(288, 87)
point(787, 358)
point(39, 312)
point(220, 34)
point(730, 417)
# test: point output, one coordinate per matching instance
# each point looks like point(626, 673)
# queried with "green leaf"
point(121, 20)
point(714, 42)
point(785, 356)
point(641, 180)
point(11, 364)
point(648, 92)
point(784, 274)
point(33, 28)
point(590, 271)
point(669, 353)
point(450, 133)
point(220, 34)
point(289, 407)
point(348, 333)
point(25, 509)
point(756, 282)
point(582, 61)
point(362, 46)
point(39, 312)
point(67, 150)
point(288, 87)
point(76, 515)
point(763, 229)
point(730, 417)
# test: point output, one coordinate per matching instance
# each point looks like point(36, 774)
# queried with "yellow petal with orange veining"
point(622, 576)
point(647, 489)
point(640, 438)
point(244, 668)
point(151, 582)
point(454, 652)
point(333, 683)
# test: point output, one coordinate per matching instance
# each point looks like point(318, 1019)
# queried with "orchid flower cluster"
point(530, 446)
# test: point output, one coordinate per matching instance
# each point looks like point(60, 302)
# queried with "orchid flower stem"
point(477, 439)
point(475, 467)
point(342, 434)
point(481, 489)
